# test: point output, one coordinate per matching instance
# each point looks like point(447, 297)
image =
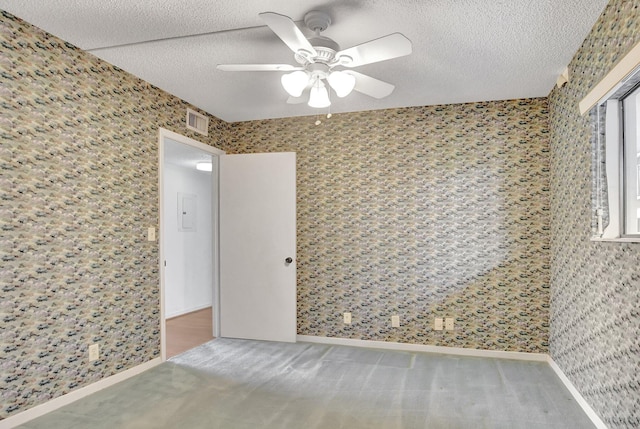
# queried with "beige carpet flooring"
point(242, 384)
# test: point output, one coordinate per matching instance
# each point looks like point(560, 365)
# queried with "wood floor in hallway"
point(188, 331)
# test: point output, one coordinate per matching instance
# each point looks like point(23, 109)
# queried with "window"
point(614, 109)
point(631, 162)
point(616, 162)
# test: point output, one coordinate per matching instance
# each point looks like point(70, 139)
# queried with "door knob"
point(288, 260)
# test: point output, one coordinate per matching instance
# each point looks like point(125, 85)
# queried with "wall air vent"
point(197, 122)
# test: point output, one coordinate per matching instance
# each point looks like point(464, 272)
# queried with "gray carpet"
point(252, 385)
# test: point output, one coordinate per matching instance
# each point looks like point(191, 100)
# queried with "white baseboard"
point(597, 421)
point(539, 357)
point(187, 311)
point(61, 401)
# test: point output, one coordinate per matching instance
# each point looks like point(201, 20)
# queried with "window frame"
point(630, 167)
point(595, 104)
point(610, 142)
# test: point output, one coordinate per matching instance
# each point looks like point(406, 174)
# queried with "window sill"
point(617, 240)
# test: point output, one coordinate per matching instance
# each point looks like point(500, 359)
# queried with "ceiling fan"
point(321, 61)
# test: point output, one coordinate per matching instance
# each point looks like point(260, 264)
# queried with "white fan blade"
point(288, 31)
point(370, 86)
point(257, 67)
point(298, 100)
point(385, 48)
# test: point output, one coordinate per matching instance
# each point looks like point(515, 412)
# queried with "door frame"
point(215, 154)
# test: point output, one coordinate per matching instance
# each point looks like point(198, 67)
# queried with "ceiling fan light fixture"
point(342, 83)
point(294, 83)
point(319, 96)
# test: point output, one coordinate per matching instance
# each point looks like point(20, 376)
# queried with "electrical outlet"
point(347, 318)
point(395, 321)
point(438, 324)
point(151, 234)
point(448, 323)
point(94, 352)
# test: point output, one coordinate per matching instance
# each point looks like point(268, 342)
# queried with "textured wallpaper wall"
point(421, 212)
point(78, 189)
point(595, 297)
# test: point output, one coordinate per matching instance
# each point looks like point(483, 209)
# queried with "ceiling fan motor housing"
point(325, 47)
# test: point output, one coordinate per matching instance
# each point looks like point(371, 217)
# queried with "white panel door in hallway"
point(257, 246)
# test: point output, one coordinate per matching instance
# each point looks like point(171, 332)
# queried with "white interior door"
point(257, 235)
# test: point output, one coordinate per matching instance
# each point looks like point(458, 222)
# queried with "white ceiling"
point(182, 155)
point(463, 50)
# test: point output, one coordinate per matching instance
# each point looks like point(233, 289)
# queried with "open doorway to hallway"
point(189, 200)
point(188, 331)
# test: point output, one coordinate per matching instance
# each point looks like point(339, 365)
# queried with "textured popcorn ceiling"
point(464, 51)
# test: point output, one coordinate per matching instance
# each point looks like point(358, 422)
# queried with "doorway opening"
point(189, 270)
